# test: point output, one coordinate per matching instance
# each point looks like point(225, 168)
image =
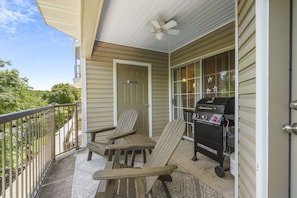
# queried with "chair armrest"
point(120, 135)
point(133, 172)
point(100, 130)
point(134, 146)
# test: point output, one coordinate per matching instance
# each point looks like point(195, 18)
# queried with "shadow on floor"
point(58, 182)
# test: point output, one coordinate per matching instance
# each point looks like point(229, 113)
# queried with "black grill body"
point(213, 119)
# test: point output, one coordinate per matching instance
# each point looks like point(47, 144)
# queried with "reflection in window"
point(219, 75)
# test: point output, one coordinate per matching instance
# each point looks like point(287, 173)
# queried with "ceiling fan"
point(162, 28)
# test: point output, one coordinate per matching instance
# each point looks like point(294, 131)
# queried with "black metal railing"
point(29, 141)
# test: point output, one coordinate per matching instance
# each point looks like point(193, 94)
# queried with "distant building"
point(77, 65)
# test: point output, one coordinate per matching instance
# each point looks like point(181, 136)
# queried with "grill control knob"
point(195, 115)
point(204, 117)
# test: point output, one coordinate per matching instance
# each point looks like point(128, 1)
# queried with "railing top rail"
point(63, 105)
point(16, 115)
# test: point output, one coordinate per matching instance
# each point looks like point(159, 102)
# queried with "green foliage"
point(62, 116)
point(9, 157)
point(3, 63)
point(15, 93)
point(62, 93)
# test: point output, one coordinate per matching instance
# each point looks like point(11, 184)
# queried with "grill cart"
point(214, 129)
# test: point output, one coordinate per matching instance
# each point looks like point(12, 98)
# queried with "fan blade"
point(172, 31)
point(169, 25)
point(156, 24)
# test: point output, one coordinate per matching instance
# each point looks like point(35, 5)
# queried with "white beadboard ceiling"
point(127, 22)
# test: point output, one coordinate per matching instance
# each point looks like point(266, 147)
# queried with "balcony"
point(39, 148)
point(30, 141)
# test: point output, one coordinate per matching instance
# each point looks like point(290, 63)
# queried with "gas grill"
point(214, 129)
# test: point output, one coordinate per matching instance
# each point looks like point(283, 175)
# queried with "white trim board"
point(262, 96)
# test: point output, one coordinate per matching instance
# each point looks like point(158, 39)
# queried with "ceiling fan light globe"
point(159, 35)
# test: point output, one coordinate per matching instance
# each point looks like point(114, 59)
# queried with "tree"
point(15, 93)
point(3, 63)
point(62, 93)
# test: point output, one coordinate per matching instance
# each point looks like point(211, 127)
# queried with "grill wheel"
point(220, 171)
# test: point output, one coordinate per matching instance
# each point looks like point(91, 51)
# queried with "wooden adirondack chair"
point(109, 135)
point(138, 182)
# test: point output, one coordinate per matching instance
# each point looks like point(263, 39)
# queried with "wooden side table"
point(134, 143)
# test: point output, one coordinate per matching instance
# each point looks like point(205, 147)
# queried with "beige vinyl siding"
point(219, 39)
point(246, 99)
point(99, 83)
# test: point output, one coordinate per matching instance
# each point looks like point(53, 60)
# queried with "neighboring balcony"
point(77, 66)
point(77, 76)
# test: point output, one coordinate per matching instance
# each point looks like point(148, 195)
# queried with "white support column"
point(262, 96)
point(84, 102)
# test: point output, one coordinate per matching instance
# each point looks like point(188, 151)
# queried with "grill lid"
point(219, 105)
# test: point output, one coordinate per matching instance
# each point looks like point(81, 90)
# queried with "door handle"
point(147, 105)
point(293, 105)
point(290, 128)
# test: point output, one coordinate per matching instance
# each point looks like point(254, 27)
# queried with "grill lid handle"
point(207, 108)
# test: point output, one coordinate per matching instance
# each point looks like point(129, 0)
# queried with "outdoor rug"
point(184, 185)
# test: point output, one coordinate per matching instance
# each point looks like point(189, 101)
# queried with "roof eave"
point(78, 19)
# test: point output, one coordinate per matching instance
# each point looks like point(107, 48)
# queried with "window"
point(219, 75)
point(186, 90)
point(210, 77)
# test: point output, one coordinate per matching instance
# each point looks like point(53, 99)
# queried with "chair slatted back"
point(127, 121)
point(164, 148)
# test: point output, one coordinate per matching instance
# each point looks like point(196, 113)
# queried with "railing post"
point(53, 133)
point(76, 125)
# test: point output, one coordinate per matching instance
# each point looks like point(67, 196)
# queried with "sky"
point(39, 52)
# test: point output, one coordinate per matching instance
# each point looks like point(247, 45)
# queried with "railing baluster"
point(10, 157)
point(3, 161)
point(17, 158)
point(22, 157)
point(26, 155)
point(29, 155)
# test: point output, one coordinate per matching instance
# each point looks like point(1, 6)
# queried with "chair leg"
point(133, 158)
point(167, 178)
point(144, 155)
point(126, 157)
point(166, 189)
point(90, 155)
point(110, 154)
